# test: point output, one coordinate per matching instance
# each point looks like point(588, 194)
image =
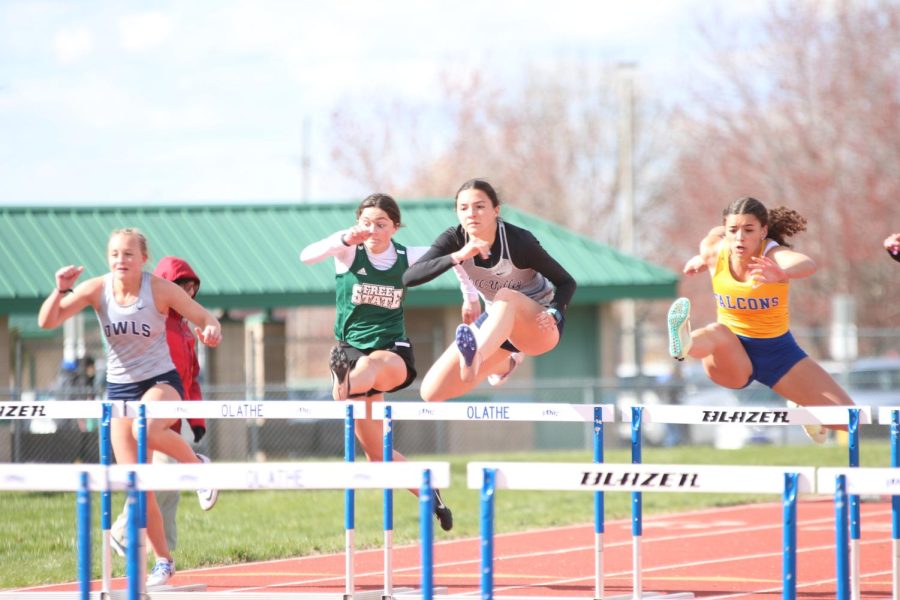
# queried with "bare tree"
point(546, 137)
point(808, 117)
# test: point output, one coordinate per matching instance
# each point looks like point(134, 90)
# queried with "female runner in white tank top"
point(526, 293)
point(131, 306)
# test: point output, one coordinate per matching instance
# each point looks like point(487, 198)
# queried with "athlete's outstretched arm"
point(709, 252)
point(781, 264)
point(335, 244)
point(471, 306)
point(67, 300)
point(435, 261)
point(171, 295)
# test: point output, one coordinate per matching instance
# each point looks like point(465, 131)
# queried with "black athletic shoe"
point(442, 512)
point(340, 373)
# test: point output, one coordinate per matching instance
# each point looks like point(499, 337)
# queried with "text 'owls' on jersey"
point(136, 335)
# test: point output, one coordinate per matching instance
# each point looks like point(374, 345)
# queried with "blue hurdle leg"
point(132, 553)
point(895, 505)
point(426, 526)
point(388, 456)
point(637, 526)
point(599, 508)
point(789, 552)
point(349, 505)
point(83, 515)
point(487, 534)
point(855, 518)
point(842, 547)
point(106, 498)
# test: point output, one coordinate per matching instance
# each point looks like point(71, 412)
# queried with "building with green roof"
point(278, 313)
point(247, 257)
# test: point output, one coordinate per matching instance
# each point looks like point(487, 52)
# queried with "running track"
point(732, 552)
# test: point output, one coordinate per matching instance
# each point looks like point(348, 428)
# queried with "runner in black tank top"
point(525, 290)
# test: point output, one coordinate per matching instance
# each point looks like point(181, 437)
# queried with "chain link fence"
point(70, 440)
point(63, 441)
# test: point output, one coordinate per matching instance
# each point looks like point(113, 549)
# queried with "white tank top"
point(135, 335)
point(489, 280)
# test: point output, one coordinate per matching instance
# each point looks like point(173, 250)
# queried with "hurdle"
point(106, 410)
point(595, 414)
point(890, 415)
point(253, 409)
point(787, 481)
point(851, 416)
point(78, 409)
point(232, 476)
point(843, 482)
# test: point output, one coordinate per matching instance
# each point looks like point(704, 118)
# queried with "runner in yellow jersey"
point(751, 266)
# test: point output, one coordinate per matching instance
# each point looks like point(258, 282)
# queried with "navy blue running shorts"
point(771, 357)
point(136, 390)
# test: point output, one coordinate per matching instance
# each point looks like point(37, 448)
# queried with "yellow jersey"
point(755, 312)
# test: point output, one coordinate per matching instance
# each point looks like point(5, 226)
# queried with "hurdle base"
point(652, 596)
point(162, 591)
point(414, 593)
point(399, 590)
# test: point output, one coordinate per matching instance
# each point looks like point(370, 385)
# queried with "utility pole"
point(631, 343)
point(305, 161)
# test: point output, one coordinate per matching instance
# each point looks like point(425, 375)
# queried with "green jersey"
point(370, 302)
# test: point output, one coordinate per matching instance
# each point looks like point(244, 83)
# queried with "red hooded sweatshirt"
point(182, 345)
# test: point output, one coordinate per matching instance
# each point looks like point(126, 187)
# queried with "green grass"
point(38, 529)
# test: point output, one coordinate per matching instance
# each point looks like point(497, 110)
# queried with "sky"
point(124, 102)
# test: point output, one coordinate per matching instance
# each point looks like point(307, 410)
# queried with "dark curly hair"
point(782, 222)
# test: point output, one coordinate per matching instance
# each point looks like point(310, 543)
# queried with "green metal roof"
point(248, 255)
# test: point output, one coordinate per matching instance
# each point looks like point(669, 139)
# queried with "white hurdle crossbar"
point(248, 409)
point(751, 415)
point(52, 409)
point(492, 411)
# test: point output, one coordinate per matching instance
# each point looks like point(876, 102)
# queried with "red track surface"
point(719, 553)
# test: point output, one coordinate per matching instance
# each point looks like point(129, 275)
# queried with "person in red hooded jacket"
point(183, 349)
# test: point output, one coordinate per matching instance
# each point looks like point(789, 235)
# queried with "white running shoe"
point(679, 321)
point(515, 359)
point(162, 572)
point(817, 433)
point(207, 497)
point(118, 535)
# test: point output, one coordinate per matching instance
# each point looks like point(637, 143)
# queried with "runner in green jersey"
point(373, 356)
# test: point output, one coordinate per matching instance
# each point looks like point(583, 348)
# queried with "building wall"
point(226, 369)
point(5, 375)
point(310, 335)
